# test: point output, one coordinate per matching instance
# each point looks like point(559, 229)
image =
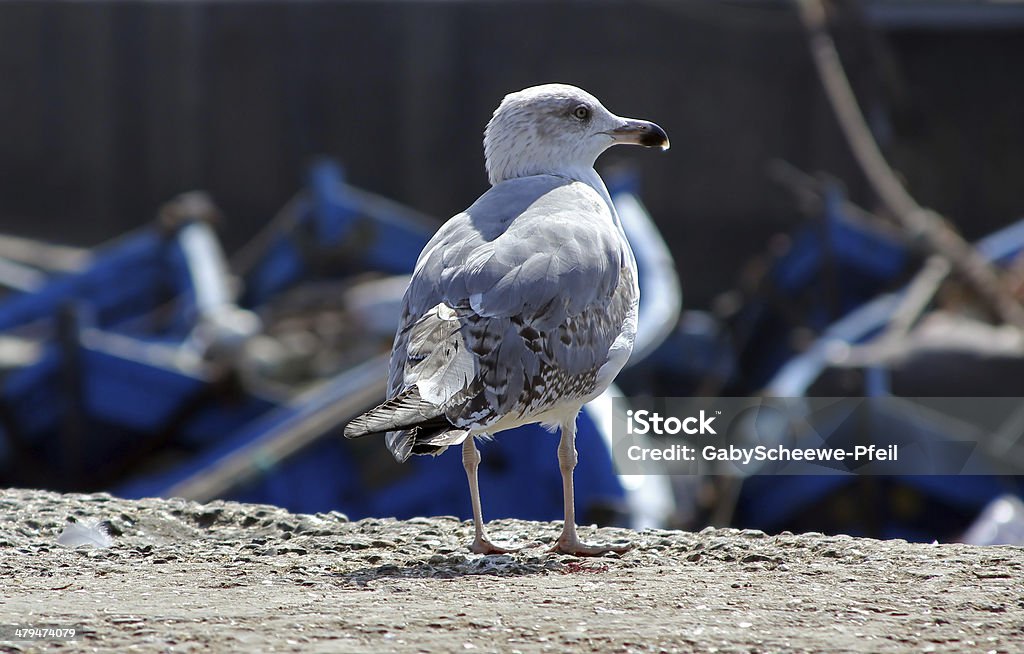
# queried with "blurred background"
point(210, 344)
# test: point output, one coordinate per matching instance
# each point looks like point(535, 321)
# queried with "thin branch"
point(920, 223)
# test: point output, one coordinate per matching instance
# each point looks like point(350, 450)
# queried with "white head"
point(557, 129)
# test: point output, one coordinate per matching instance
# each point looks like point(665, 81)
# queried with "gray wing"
point(515, 303)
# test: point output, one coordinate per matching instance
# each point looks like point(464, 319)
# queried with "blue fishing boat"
point(948, 354)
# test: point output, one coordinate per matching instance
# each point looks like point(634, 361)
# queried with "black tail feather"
point(404, 411)
point(416, 426)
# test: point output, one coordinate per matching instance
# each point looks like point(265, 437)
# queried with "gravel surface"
point(227, 577)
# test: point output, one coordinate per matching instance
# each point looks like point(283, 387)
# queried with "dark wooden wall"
point(109, 108)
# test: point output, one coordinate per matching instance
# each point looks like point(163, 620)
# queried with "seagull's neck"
point(582, 173)
point(590, 177)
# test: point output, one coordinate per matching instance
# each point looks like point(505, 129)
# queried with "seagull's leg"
point(569, 542)
point(471, 460)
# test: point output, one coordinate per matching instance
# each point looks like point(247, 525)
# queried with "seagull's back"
point(520, 309)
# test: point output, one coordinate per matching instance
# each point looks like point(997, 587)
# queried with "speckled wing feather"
point(515, 305)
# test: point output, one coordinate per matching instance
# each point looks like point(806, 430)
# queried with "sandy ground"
point(233, 577)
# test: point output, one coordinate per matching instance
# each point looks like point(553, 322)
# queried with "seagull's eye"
point(581, 112)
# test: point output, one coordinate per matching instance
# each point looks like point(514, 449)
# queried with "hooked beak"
point(640, 132)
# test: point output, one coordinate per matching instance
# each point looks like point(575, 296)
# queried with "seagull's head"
point(557, 129)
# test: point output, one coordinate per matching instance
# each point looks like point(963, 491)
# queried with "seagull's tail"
point(413, 426)
point(404, 411)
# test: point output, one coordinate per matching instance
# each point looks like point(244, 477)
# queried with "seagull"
point(522, 308)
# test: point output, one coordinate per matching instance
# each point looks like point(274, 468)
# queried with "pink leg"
point(481, 543)
point(569, 542)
